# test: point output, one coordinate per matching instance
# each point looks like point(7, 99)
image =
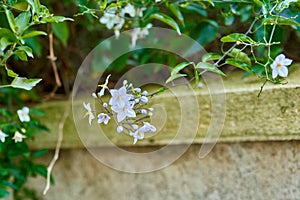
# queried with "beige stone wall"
point(268, 170)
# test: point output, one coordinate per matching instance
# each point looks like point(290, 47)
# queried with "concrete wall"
point(268, 170)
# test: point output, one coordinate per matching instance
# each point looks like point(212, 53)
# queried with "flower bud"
point(119, 129)
point(144, 99)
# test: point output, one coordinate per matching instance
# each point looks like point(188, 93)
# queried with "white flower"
point(140, 133)
point(128, 9)
point(2, 136)
point(137, 136)
point(147, 128)
point(279, 66)
point(18, 137)
point(119, 24)
point(138, 33)
point(109, 18)
point(89, 112)
point(103, 118)
point(119, 97)
point(156, 1)
point(124, 111)
point(24, 114)
point(104, 86)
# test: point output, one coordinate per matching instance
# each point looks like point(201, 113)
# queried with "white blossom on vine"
point(104, 86)
point(18, 137)
point(139, 33)
point(279, 66)
point(2, 136)
point(103, 118)
point(24, 114)
point(89, 112)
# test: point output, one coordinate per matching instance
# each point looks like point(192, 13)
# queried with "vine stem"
point(57, 148)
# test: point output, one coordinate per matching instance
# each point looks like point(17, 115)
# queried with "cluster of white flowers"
point(114, 18)
point(128, 105)
point(23, 115)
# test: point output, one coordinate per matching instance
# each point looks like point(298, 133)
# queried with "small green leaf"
point(179, 67)
point(3, 193)
point(234, 37)
point(11, 20)
point(167, 20)
point(6, 33)
point(209, 67)
point(39, 153)
point(238, 64)
point(175, 10)
point(56, 19)
point(175, 76)
point(10, 72)
point(280, 21)
point(4, 43)
point(33, 33)
point(24, 83)
point(240, 56)
point(27, 50)
point(211, 56)
point(196, 8)
point(22, 21)
point(61, 31)
point(21, 54)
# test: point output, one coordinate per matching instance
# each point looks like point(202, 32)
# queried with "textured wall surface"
point(268, 170)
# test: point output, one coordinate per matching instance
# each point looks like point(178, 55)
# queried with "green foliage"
point(20, 23)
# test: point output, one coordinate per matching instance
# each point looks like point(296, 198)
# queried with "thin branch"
point(57, 148)
point(52, 59)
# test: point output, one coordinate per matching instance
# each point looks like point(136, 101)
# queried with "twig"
point(52, 59)
point(57, 148)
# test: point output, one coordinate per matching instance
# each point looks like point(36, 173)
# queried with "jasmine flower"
point(279, 66)
point(104, 86)
point(18, 137)
point(103, 118)
point(89, 112)
point(124, 111)
point(119, 97)
point(24, 114)
point(2, 136)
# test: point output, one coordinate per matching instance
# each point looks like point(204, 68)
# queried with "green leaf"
point(211, 56)
point(56, 19)
point(39, 153)
point(167, 20)
point(26, 50)
point(174, 76)
point(33, 33)
point(6, 33)
point(207, 31)
point(179, 67)
point(61, 31)
point(240, 56)
point(22, 21)
point(238, 64)
point(11, 20)
point(21, 54)
point(175, 10)
point(209, 67)
point(10, 72)
point(24, 83)
point(234, 37)
point(3, 193)
point(280, 21)
point(196, 8)
point(4, 43)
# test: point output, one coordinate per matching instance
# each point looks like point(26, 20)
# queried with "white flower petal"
point(287, 62)
point(280, 58)
point(274, 73)
point(283, 71)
